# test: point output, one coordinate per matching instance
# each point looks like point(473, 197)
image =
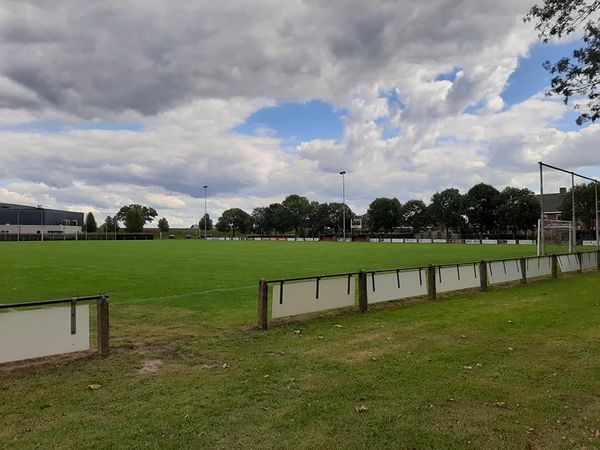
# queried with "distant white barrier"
point(504, 271)
point(454, 278)
point(589, 243)
point(472, 241)
point(426, 241)
point(293, 298)
point(440, 241)
point(410, 241)
point(382, 287)
point(489, 241)
point(589, 260)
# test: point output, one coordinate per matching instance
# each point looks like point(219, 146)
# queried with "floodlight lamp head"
point(343, 172)
point(205, 187)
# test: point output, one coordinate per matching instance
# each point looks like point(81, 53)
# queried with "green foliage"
point(135, 217)
point(415, 215)
point(163, 224)
point(205, 221)
point(481, 207)
point(518, 209)
point(110, 225)
point(384, 214)
point(234, 219)
point(90, 223)
point(585, 210)
point(447, 209)
point(577, 76)
point(298, 209)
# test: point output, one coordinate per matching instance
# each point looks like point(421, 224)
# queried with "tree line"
point(481, 210)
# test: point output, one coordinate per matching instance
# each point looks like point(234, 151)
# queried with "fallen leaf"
point(266, 376)
point(361, 409)
point(94, 387)
point(510, 349)
point(450, 399)
point(468, 367)
point(338, 326)
point(320, 337)
point(479, 365)
point(225, 366)
point(463, 336)
point(298, 332)
point(500, 404)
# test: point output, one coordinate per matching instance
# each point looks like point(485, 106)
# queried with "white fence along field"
point(455, 278)
point(382, 287)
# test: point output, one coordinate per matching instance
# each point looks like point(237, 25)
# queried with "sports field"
point(511, 368)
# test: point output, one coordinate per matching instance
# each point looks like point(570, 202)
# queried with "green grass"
point(192, 305)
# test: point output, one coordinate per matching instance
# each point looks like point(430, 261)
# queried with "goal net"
point(569, 210)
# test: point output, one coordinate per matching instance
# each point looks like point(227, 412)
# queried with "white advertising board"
point(312, 295)
point(425, 241)
point(538, 267)
point(382, 287)
point(504, 271)
point(489, 241)
point(472, 241)
point(397, 240)
point(589, 243)
point(568, 263)
point(410, 241)
point(589, 260)
point(439, 241)
point(457, 277)
point(43, 332)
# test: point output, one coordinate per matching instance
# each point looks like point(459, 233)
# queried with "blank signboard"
point(290, 299)
point(457, 277)
point(538, 267)
point(504, 271)
point(395, 285)
point(43, 332)
point(568, 263)
point(589, 260)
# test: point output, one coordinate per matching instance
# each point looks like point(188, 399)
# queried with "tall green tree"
point(585, 210)
point(518, 209)
point(576, 76)
point(110, 224)
point(447, 209)
point(205, 219)
point(384, 214)
point(298, 208)
point(318, 218)
point(234, 220)
point(481, 207)
point(163, 224)
point(135, 217)
point(90, 223)
point(262, 219)
point(414, 214)
point(336, 217)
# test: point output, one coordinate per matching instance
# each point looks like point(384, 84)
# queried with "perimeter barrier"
point(288, 297)
point(34, 333)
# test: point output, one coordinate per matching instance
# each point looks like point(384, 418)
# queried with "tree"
point(336, 217)
point(319, 218)
point(585, 199)
point(414, 214)
point(577, 76)
point(384, 214)
point(234, 219)
point(205, 219)
point(298, 209)
point(135, 217)
point(518, 209)
point(481, 204)
point(110, 225)
point(280, 218)
point(90, 223)
point(262, 219)
point(163, 224)
point(446, 209)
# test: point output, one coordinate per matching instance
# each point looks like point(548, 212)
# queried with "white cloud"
point(190, 72)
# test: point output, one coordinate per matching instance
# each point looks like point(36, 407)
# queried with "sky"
point(109, 103)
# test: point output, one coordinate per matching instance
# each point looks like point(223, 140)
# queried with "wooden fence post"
point(579, 260)
point(598, 259)
point(263, 304)
point(431, 291)
point(103, 326)
point(554, 266)
point(362, 291)
point(483, 276)
point(523, 271)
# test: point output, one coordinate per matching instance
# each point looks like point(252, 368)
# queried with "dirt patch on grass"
point(151, 366)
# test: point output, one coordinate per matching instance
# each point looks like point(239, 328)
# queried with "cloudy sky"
point(106, 103)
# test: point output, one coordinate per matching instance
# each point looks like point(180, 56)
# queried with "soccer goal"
point(569, 209)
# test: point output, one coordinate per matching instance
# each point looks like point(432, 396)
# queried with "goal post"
point(568, 208)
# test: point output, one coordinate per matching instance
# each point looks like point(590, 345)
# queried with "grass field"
point(511, 368)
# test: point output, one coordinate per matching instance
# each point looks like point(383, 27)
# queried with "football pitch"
point(515, 367)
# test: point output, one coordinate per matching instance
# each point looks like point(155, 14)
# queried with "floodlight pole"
point(541, 248)
point(597, 223)
point(205, 217)
point(343, 174)
point(574, 234)
point(42, 220)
